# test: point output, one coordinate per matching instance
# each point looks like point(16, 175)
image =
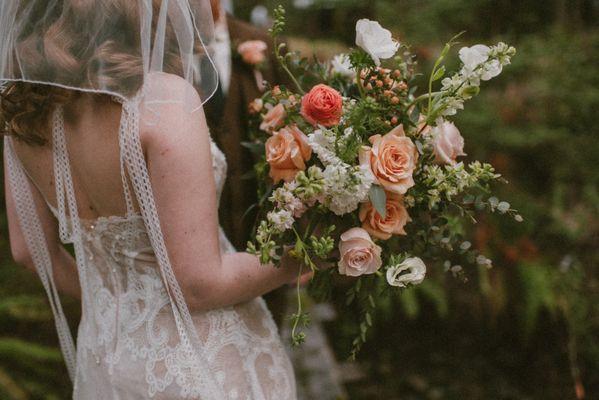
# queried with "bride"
point(106, 148)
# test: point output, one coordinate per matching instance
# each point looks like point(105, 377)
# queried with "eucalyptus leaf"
point(378, 198)
point(415, 115)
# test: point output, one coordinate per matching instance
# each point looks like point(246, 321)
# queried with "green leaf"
point(254, 148)
point(415, 115)
point(439, 73)
point(378, 198)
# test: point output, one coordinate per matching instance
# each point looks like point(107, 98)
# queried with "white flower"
point(322, 142)
point(473, 56)
point(286, 200)
point(341, 65)
point(345, 187)
point(281, 220)
point(491, 70)
point(375, 40)
point(415, 276)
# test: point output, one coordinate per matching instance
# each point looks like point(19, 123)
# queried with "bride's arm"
point(180, 166)
point(63, 264)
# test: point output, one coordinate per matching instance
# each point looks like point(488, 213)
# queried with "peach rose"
point(392, 160)
point(287, 152)
point(274, 118)
point(394, 222)
point(359, 254)
point(256, 106)
point(252, 51)
point(448, 144)
point(322, 105)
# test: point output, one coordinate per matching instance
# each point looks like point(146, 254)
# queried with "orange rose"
point(392, 160)
point(287, 152)
point(394, 222)
point(322, 105)
point(274, 118)
point(253, 51)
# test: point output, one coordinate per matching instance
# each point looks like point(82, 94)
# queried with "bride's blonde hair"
point(63, 48)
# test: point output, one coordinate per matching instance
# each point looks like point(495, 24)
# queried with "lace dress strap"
point(193, 354)
point(31, 227)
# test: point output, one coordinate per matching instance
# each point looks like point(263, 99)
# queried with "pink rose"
point(448, 144)
point(396, 218)
point(252, 51)
point(322, 105)
point(392, 160)
point(274, 118)
point(287, 152)
point(359, 254)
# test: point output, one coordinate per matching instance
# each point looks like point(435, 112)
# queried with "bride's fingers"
point(303, 280)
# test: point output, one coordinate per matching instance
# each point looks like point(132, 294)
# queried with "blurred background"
point(526, 329)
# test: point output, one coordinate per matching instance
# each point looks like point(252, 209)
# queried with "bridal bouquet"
point(359, 169)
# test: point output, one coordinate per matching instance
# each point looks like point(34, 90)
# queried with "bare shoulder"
point(171, 109)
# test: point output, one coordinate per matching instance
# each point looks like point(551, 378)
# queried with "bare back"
point(92, 128)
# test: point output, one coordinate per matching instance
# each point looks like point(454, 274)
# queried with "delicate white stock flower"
point(491, 70)
point(345, 187)
point(281, 220)
point(341, 65)
point(415, 276)
point(473, 56)
point(375, 40)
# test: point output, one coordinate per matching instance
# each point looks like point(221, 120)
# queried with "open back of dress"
point(137, 338)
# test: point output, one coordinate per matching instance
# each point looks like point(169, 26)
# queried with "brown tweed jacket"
point(228, 120)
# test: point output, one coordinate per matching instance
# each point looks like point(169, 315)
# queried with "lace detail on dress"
point(135, 340)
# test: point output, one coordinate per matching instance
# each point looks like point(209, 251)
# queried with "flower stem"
point(283, 64)
point(298, 314)
point(360, 83)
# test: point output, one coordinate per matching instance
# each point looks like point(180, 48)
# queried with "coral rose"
point(396, 218)
point(322, 105)
point(392, 160)
point(274, 118)
point(448, 144)
point(287, 152)
point(359, 254)
point(252, 51)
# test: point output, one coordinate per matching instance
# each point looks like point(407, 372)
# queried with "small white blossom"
point(282, 220)
point(474, 56)
point(479, 62)
point(375, 40)
point(482, 260)
point(416, 273)
point(341, 65)
point(490, 70)
point(345, 187)
point(503, 207)
point(322, 142)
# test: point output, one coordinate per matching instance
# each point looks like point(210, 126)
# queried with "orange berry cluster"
point(385, 85)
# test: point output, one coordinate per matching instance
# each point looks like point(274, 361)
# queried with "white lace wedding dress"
point(131, 341)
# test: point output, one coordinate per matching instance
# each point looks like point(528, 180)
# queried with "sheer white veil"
point(112, 47)
point(107, 46)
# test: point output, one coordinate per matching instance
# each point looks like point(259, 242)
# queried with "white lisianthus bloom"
point(473, 56)
point(375, 40)
point(341, 65)
point(416, 273)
